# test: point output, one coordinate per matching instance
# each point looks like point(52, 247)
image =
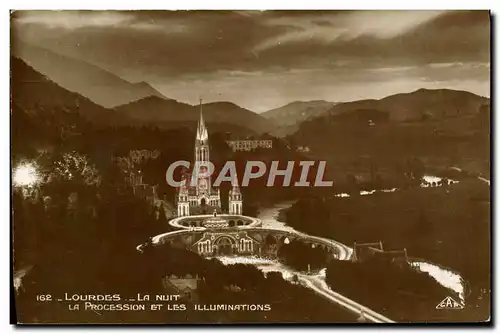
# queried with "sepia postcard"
point(250, 167)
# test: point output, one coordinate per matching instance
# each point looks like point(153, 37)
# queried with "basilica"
point(200, 197)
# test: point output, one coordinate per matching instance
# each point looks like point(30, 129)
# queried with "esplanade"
point(217, 221)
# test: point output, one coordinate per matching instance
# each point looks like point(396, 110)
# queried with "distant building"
point(142, 189)
point(135, 158)
point(303, 149)
point(232, 288)
point(138, 155)
point(367, 251)
point(186, 286)
point(249, 144)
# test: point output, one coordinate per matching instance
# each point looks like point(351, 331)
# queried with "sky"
point(265, 59)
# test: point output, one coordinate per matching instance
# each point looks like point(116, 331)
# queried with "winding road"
point(319, 286)
point(317, 283)
point(479, 177)
point(313, 282)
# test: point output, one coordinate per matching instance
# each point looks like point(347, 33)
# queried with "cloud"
point(275, 55)
point(71, 19)
point(78, 20)
point(330, 27)
point(277, 88)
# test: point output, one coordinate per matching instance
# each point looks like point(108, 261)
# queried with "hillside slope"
point(97, 84)
point(442, 127)
point(297, 111)
point(155, 110)
point(419, 105)
point(42, 112)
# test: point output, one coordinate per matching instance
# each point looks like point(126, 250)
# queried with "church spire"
point(235, 198)
point(201, 133)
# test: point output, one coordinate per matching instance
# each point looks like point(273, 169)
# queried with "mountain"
point(42, 111)
point(288, 117)
point(297, 111)
point(42, 108)
point(156, 110)
point(418, 105)
point(97, 84)
point(34, 92)
point(229, 112)
point(443, 127)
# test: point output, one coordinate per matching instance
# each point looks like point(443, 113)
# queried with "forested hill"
point(441, 126)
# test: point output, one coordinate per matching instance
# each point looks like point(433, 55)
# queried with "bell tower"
point(202, 156)
point(197, 196)
point(183, 201)
point(235, 199)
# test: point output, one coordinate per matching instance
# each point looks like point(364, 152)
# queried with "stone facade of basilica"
point(201, 197)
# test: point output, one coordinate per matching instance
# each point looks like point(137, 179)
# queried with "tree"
point(162, 215)
point(415, 171)
point(373, 170)
point(352, 184)
point(423, 226)
point(74, 167)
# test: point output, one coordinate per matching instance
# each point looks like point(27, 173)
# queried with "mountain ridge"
point(97, 84)
point(153, 109)
point(420, 104)
point(289, 116)
point(297, 111)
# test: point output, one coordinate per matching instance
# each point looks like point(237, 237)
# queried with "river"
point(264, 265)
point(270, 219)
point(315, 280)
point(427, 181)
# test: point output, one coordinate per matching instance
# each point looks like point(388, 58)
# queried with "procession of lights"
point(25, 175)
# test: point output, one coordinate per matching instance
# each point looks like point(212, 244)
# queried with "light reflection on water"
point(443, 276)
point(269, 217)
point(264, 265)
point(427, 181)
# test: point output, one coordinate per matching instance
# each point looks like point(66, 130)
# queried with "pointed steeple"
point(235, 198)
point(201, 133)
point(236, 188)
point(235, 192)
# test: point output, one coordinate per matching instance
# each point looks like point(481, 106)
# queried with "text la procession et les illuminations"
point(112, 302)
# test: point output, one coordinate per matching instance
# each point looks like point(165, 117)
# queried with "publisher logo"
point(449, 304)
